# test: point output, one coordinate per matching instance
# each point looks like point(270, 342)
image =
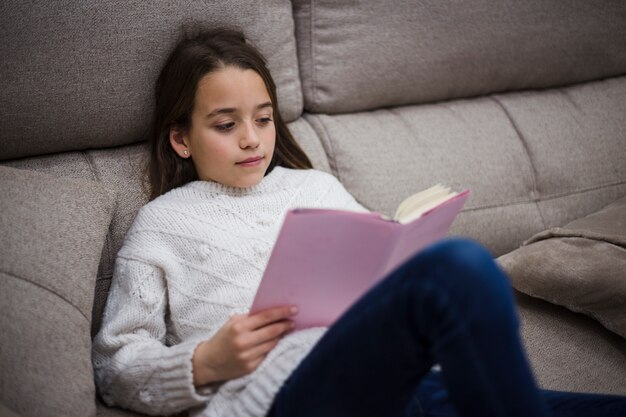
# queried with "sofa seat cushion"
point(570, 351)
point(581, 266)
point(102, 410)
point(51, 239)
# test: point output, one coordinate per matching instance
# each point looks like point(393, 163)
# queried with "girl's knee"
point(453, 280)
point(467, 264)
point(465, 274)
point(464, 254)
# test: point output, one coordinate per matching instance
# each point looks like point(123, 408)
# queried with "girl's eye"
point(264, 120)
point(225, 127)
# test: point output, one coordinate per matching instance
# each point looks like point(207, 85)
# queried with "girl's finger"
point(265, 334)
point(265, 317)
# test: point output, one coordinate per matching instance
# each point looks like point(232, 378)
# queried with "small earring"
point(185, 152)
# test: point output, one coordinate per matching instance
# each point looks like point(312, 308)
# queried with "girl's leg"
point(573, 404)
point(432, 399)
point(450, 305)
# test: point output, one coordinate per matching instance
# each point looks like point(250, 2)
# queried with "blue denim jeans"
point(431, 399)
point(449, 305)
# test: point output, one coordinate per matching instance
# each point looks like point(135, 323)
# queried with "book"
point(326, 259)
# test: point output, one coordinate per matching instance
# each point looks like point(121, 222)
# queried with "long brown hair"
point(198, 54)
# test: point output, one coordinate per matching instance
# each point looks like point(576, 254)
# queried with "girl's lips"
point(251, 162)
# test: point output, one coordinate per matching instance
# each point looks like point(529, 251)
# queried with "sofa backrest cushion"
point(358, 55)
point(53, 232)
point(80, 74)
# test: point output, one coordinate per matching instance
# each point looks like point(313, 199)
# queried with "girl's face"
point(232, 134)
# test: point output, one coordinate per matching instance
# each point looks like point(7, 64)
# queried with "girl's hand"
point(240, 346)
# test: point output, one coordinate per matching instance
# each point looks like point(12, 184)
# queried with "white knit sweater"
point(192, 258)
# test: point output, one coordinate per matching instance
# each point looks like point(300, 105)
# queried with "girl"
point(176, 335)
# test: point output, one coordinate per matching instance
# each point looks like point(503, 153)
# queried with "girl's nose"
point(250, 138)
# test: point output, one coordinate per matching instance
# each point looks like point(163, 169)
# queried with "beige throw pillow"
point(581, 266)
point(52, 232)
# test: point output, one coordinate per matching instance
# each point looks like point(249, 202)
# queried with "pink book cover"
point(324, 260)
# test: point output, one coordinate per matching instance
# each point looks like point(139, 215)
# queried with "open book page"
point(419, 203)
point(432, 225)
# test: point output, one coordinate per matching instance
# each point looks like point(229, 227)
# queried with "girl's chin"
point(249, 181)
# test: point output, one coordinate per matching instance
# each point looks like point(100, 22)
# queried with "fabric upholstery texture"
point(310, 143)
point(85, 86)
point(5, 412)
point(102, 410)
point(570, 351)
point(53, 231)
point(584, 125)
point(580, 266)
point(416, 145)
point(369, 54)
point(120, 168)
point(519, 153)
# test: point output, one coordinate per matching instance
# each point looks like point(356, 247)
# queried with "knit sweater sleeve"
point(133, 366)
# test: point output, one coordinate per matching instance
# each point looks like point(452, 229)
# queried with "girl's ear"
point(179, 142)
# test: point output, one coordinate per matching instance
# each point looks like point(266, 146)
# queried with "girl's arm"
point(133, 367)
point(136, 370)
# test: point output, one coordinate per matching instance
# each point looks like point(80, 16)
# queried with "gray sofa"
point(522, 102)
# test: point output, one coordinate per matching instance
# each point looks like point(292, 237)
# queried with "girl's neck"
point(270, 182)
